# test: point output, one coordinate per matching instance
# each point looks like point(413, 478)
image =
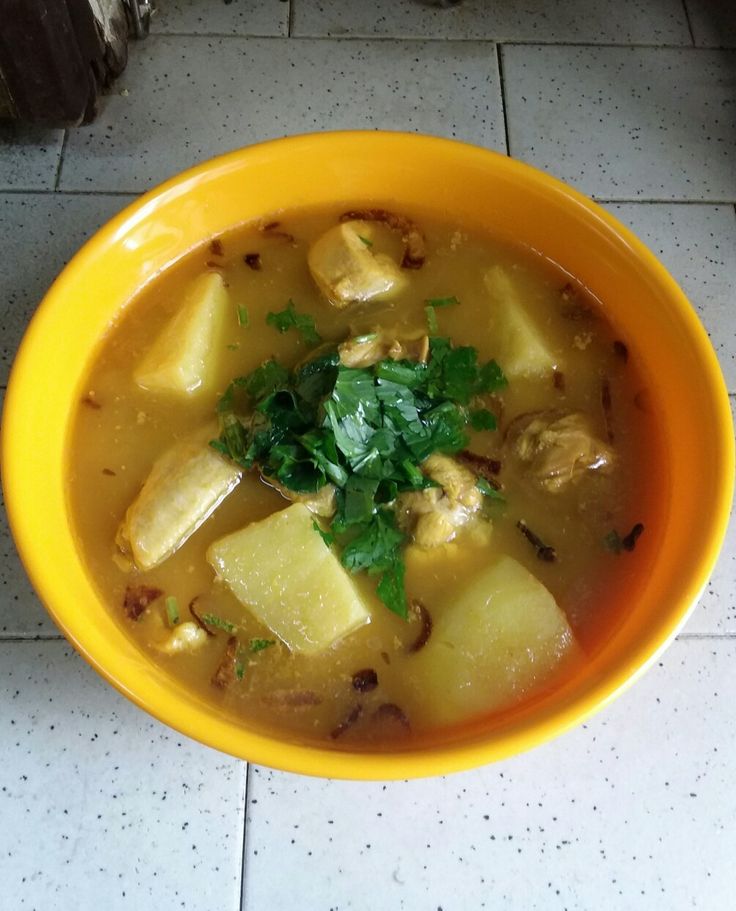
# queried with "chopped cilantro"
point(489, 491)
point(218, 623)
point(483, 419)
point(365, 430)
point(233, 347)
point(431, 319)
point(328, 538)
point(243, 318)
point(290, 319)
point(172, 610)
point(365, 240)
point(442, 301)
point(257, 645)
point(239, 669)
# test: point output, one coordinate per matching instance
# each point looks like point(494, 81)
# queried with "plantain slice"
point(186, 484)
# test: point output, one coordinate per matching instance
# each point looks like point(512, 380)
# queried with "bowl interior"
point(476, 189)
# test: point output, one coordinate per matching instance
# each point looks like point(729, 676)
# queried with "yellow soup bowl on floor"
point(475, 188)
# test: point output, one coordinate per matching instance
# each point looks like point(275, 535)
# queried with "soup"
point(364, 478)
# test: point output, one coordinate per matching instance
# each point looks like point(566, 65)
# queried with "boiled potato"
point(186, 484)
point(346, 270)
point(281, 570)
point(499, 635)
point(518, 343)
point(183, 357)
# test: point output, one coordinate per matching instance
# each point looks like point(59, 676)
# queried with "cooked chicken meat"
point(321, 502)
point(346, 269)
point(366, 350)
point(555, 448)
point(433, 515)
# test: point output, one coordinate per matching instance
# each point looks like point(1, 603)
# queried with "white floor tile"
point(697, 243)
point(238, 17)
point(626, 123)
point(103, 807)
point(29, 157)
point(633, 811)
point(636, 21)
point(191, 98)
point(41, 233)
point(713, 22)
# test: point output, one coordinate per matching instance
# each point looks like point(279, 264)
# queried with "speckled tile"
point(697, 243)
point(101, 805)
point(626, 123)
point(29, 157)
point(623, 813)
point(636, 21)
point(239, 91)
point(236, 17)
point(40, 234)
point(21, 613)
point(713, 22)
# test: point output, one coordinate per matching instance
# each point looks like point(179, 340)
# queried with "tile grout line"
point(689, 23)
point(431, 39)
point(244, 853)
point(33, 637)
point(15, 191)
point(502, 87)
point(713, 637)
point(290, 20)
point(57, 179)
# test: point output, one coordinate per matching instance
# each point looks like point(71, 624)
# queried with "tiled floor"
point(101, 806)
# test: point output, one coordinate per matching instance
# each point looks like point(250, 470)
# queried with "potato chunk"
point(518, 344)
point(281, 570)
point(183, 357)
point(502, 634)
point(347, 270)
point(186, 484)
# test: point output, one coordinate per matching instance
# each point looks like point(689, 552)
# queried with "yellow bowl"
point(475, 188)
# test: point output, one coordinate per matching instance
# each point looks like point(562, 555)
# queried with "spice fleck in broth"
point(361, 478)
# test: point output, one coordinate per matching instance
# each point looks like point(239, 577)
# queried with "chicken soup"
point(363, 478)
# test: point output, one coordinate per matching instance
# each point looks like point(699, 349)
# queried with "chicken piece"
point(434, 515)
point(366, 350)
point(346, 270)
point(321, 503)
point(554, 448)
point(186, 637)
point(186, 484)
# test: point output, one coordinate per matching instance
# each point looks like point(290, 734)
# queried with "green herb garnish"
point(365, 240)
point(431, 319)
point(488, 490)
point(257, 645)
point(442, 301)
point(483, 419)
point(239, 669)
point(218, 623)
point(172, 610)
point(613, 542)
point(328, 538)
point(243, 318)
point(290, 319)
point(366, 431)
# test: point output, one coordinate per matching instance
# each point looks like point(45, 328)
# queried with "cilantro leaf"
point(328, 538)
point(287, 319)
point(442, 301)
point(218, 623)
point(243, 318)
point(258, 645)
point(483, 419)
point(432, 324)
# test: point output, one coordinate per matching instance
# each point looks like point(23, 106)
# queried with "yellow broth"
point(121, 429)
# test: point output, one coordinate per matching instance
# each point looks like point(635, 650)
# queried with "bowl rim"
point(361, 764)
